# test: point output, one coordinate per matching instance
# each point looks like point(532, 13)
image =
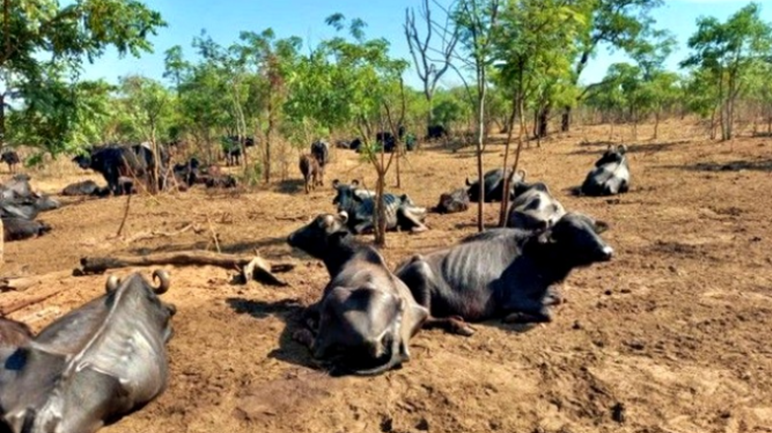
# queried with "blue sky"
point(224, 19)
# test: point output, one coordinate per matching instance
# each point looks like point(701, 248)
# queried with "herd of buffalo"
point(108, 358)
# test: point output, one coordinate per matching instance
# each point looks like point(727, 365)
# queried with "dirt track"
point(673, 332)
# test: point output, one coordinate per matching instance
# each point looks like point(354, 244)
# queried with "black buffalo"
point(114, 162)
point(366, 316)
point(493, 185)
point(452, 202)
point(611, 174)
point(505, 273)
point(534, 207)
point(16, 229)
point(11, 158)
point(86, 187)
point(434, 132)
point(90, 367)
point(400, 211)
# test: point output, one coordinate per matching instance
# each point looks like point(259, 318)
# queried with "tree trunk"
point(480, 146)
point(565, 120)
point(268, 134)
point(505, 197)
point(656, 125)
point(380, 211)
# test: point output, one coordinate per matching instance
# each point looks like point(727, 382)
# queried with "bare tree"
point(430, 70)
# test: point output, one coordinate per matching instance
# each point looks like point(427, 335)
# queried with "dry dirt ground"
point(670, 336)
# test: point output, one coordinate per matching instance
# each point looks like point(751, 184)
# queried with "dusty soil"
point(671, 336)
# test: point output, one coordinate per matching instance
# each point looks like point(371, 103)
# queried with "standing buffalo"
point(434, 132)
point(533, 207)
point(401, 212)
point(309, 167)
point(611, 174)
point(502, 273)
point(11, 158)
point(114, 162)
point(92, 366)
point(320, 150)
point(493, 185)
point(366, 317)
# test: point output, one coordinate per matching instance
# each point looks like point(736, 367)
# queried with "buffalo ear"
point(343, 217)
point(600, 227)
point(355, 183)
point(335, 184)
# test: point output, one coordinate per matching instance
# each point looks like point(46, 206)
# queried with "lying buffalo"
point(92, 366)
point(86, 187)
point(493, 185)
point(611, 174)
point(17, 229)
point(502, 273)
point(366, 317)
point(534, 207)
point(453, 202)
point(401, 212)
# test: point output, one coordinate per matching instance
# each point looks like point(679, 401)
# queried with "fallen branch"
point(18, 305)
point(258, 268)
point(20, 284)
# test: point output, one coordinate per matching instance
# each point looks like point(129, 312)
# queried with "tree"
point(273, 60)
point(477, 21)
point(346, 81)
point(620, 24)
point(147, 102)
point(41, 36)
point(728, 52)
point(422, 51)
point(534, 51)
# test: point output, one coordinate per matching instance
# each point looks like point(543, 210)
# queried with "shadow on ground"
point(288, 311)
point(758, 165)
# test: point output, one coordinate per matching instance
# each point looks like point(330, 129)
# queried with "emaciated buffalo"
point(502, 273)
point(92, 366)
point(366, 316)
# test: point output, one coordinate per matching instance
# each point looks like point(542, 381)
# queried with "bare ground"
point(671, 336)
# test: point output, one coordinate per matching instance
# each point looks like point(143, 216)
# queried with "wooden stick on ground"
point(98, 265)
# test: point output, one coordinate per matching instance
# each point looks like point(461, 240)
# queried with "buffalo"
point(11, 158)
point(86, 187)
point(17, 229)
point(90, 367)
point(493, 185)
point(366, 316)
point(311, 170)
point(534, 207)
point(505, 273)
point(452, 202)
point(434, 132)
point(114, 162)
point(401, 212)
point(611, 174)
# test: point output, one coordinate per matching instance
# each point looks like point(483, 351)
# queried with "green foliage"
point(43, 50)
point(725, 55)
